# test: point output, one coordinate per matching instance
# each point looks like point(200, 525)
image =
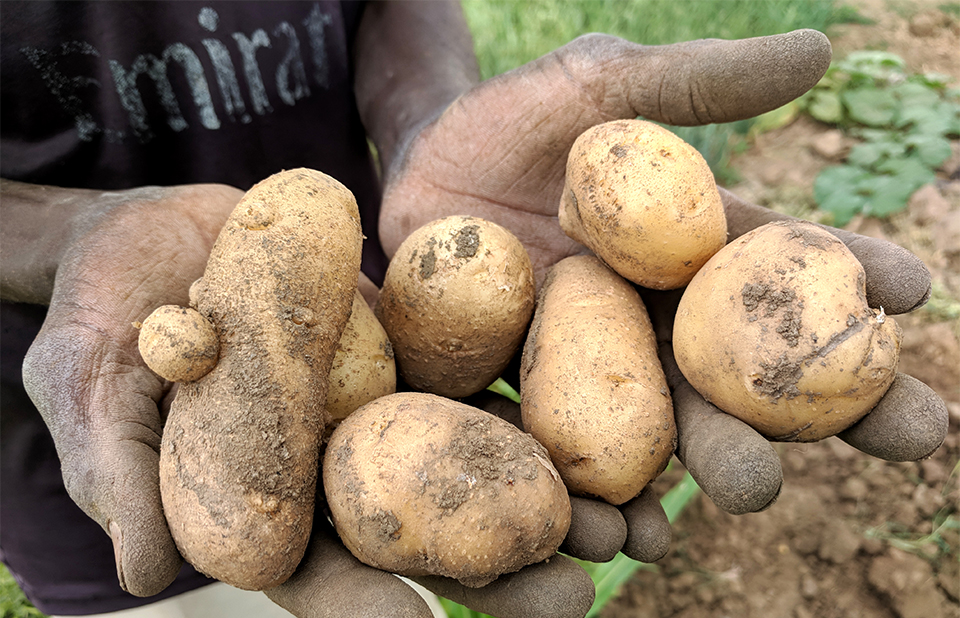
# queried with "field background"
point(851, 536)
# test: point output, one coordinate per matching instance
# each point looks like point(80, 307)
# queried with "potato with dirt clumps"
point(418, 484)
point(644, 201)
point(240, 449)
point(178, 343)
point(363, 367)
point(456, 301)
point(776, 330)
point(592, 389)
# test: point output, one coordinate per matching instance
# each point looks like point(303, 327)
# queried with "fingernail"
point(117, 536)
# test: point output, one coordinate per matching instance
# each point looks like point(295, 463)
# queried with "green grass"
point(510, 33)
point(12, 602)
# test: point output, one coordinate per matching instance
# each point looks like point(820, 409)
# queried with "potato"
point(363, 366)
point(644, 201)
point(776, 330)
point(240, 449)
point(456, 301)
point(592, 389)
point(178, 343)
point(418, 484)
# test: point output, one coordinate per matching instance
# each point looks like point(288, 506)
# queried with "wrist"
point(413, 59)
point(39, 222)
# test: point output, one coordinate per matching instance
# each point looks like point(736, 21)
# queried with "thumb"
point(697, 82)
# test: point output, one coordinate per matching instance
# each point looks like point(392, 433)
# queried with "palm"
point(499, 151)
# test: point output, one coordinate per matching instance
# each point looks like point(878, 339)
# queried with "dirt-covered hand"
point(499, 151)
point(736, 466)
point(331, 583)
point(125, 253)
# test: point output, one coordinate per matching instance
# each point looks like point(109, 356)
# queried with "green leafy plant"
point(904, 124)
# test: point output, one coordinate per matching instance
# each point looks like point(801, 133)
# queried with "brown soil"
point(851, 535)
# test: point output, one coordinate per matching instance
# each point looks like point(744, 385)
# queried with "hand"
point(119, 255)
point(499, 152)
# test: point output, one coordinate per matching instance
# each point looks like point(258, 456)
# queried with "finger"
point(558, 588)
point(597, 530)
point(331, 583)
point(108, 439)
point(697, 82)
point(733, 464)
point(896, 279)
point(909, 423)
point(648, 536)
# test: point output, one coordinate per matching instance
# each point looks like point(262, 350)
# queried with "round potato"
point(456, 301)
point(422, 485)
point(592, 390)
point(644, 201)
point(178, 343)
point(776, 330)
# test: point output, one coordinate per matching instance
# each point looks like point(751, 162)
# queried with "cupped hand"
point(499, 152)
point(138, 249)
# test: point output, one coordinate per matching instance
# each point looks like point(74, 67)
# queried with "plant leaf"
point(825, 106)
point(888, 196)
point(913, 94)
point(932, 150)
point(871, 106)
point(871, 153)
point(837, 191)
point(909, 171)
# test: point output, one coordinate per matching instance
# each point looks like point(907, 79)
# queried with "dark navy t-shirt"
point(113, 95)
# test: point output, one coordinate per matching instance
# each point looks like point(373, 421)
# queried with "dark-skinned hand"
point(497, 152)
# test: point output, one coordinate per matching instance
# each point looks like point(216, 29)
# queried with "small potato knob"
point(178, 343)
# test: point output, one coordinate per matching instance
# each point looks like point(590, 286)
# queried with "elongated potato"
point(775, 329)
point(591, 386)
point(418, 484)
point(239, 455)
point(644, 201)
point(363, 367)
point(456, 301)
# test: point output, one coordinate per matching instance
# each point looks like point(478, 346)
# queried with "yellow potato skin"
point(776, 330)
point(592, 389)
point(363, 366)
point(644, 201)
point(418, 484)
point(240, 449)
point(178, 344)
point(456, 301)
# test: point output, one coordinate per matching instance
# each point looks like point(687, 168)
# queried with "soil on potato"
point(851, 536)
